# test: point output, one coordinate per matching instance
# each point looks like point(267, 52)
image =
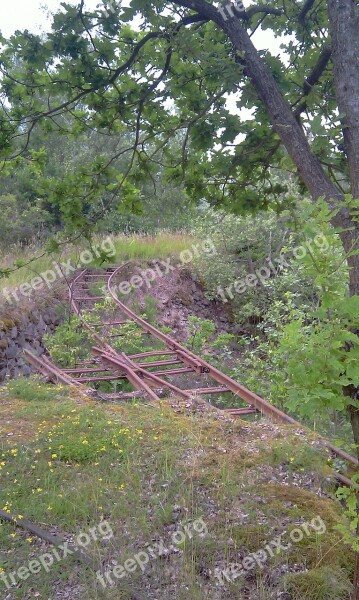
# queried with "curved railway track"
point(152, 373)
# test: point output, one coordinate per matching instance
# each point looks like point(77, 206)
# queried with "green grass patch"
point(319, 584)
point(32, 389)
point(150, 471)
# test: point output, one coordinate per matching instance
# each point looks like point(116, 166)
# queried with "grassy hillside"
point(190, 505)
point(163, 245)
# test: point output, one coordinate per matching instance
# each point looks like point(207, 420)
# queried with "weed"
point(69, 344)
point(296, 458)
point(202, 337)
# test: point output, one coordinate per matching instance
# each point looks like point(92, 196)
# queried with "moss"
point(324, 583)
point(304, 503)
point(297, 456)
point(251, 537)
point(7, 322)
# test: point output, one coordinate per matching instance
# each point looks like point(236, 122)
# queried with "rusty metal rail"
point(109, 364)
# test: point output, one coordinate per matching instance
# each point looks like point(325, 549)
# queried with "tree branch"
point(313, 79)
point(303, 13)
point(263, 9)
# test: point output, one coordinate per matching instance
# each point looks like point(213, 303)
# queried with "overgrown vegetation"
point(135, 118)
point(143, 247)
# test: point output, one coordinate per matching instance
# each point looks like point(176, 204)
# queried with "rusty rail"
point(152, 384)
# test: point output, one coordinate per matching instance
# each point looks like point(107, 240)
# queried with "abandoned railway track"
point(153, 374)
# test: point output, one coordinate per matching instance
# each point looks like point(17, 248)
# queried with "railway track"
point(153, 374)
point(170, 368)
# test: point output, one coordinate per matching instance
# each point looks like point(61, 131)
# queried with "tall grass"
point(150, 247)
point(141, 247)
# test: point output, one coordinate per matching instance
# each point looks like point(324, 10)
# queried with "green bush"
point(69, 344)
point(246, 244)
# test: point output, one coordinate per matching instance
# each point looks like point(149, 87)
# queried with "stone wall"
point(24, 331)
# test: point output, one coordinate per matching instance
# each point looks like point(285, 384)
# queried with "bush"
point(20, 224)
point(69, 344)
point(245, 245)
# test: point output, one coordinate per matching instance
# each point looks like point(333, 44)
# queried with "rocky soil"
point(180, 294)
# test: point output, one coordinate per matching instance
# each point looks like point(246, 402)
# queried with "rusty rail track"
point(173, 361)
point(153, 374)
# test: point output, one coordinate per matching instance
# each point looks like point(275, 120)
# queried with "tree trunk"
point(344, 26)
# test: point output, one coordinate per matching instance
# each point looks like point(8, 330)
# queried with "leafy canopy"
point(156, 72)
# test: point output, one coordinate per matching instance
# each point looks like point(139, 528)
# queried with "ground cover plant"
point(150, 472)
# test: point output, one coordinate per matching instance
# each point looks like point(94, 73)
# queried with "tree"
point(169, 78)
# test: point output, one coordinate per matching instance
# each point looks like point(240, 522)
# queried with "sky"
point(32, 15)
point(29, 14)
point(35, 15)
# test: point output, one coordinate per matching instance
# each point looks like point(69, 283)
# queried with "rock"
point(26, 370)
point(27, 333)
point(12, 352)
point(3, 344)
point(30, 332)
point(20, 340)
point(41, 326)
point(15, 372)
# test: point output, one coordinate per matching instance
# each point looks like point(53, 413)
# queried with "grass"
point(160, 246)
point(320, 584)
point(149, 472)
point(140, 247)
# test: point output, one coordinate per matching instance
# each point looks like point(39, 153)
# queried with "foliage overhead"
point(155, 72)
